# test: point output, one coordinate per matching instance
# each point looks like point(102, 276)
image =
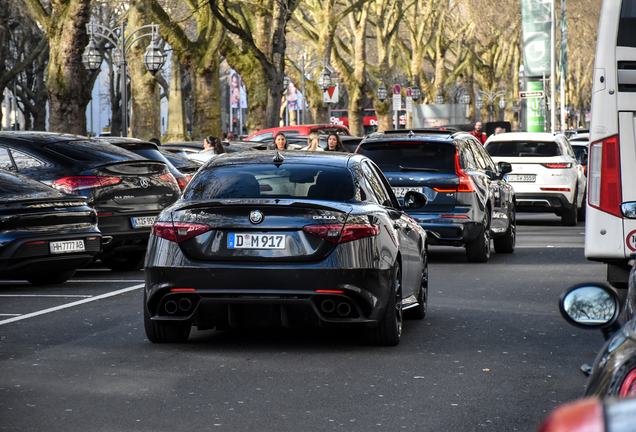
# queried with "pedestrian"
point(334, 144)
point(155, 141)
point(498, 130)
point(313, 143)
point(212, 144)
point(280, 142)
point(477, 133)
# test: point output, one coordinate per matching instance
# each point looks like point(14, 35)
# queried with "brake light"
point(557, 165)
point(628, 388)
point(605, 191)
point(182, 182)
point(338, 234)
point(178, 231)
point(75, 183)
point(168, 178)
point(465, 182)
point(551, 189)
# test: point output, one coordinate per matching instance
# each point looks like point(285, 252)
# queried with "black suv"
point(127, 190)
point(469, 202)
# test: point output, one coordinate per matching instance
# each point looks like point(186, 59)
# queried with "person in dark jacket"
point(335, 145)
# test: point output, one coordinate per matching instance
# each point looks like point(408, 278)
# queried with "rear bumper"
point(542, 202)
point(447, 230)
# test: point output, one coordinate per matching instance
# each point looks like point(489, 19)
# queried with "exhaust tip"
point(344, 309)
point(171, 307)
point(185, 304)
point(328, 306)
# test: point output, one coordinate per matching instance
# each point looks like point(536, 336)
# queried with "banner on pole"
point(536, 22)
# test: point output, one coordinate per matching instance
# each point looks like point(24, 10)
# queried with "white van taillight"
point(604, 173)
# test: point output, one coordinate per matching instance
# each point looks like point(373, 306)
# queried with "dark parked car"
point(45, 235)
point(599, 306)
point(127, 190)
point(150, 151)
point(469, 202)
point(184, 164)
point(306, 239)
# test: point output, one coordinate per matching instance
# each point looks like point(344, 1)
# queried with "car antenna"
point(411, 134)
point(278, 159)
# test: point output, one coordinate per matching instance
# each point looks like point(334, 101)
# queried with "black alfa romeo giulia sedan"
point(286, 239)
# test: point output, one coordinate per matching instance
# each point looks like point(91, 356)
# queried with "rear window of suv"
point(411, 156)
point(523, 149)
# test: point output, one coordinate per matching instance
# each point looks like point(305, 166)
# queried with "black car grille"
point(41, 248)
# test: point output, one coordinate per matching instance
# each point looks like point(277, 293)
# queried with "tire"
point(158, 332)
point(123, 261)
point(419, 312)
point(478, 250)
point(389, 329)
point(506, 243)
point(51, 278)
point(581, 211)
point(570, 216)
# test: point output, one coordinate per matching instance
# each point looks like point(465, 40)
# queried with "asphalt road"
point(492, 354)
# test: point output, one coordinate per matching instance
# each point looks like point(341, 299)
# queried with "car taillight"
point(465, 182)
point(628, 389)
point(338, 234)
point(182, 182)
point(168, 178)
point(604, 173)
point(75, 183)
point(178, 231)
point(557, 165)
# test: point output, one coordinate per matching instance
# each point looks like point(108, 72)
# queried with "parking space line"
point(104, 280)
point(69, 305)
point(45, 295)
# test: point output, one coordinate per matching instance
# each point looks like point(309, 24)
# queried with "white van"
point(610, 228)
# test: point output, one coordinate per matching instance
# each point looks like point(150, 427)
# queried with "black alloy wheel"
point(478, 250)
point(389, 329)
point(506, 243)
point(570, 216)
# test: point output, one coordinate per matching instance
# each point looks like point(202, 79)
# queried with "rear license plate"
point(143, 222)
point(521, 177)
point(401, 191)
point(67, 246)
point(255, 241)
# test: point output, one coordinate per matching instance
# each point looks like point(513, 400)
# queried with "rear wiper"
point(418, 169)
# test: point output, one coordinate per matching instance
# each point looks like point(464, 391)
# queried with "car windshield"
point(268, 181)
point(400, 156)
point(523, 148)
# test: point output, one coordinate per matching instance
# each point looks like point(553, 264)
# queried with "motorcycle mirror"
point(590, 306)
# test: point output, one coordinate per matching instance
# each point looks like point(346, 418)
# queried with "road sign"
point(531, 94)
point(397, 89)
point(409, 92)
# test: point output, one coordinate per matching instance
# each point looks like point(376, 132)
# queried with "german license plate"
point(143, 221)
point(255, 241)
point(67, 246)
point(521, 177)
point(401, 191)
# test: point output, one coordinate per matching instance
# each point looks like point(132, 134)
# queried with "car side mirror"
point(590, 306)
point(414, 200)
point(504, 168)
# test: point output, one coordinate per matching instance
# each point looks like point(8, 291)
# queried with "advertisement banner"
point(535, 115)
point(535, 23)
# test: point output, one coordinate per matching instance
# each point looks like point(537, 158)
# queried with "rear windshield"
point(14, 186)
point(92, 152)
point(523, 149)
point(267, 181)
point(400, 156)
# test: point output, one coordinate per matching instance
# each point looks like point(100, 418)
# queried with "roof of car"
point(439, 135)
point(42, 138)
point(289, 157)
point(525, 136)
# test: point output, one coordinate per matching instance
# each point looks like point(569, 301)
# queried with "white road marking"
point(45, 295)
point(69, 305)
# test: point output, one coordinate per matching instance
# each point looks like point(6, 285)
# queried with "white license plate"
point(67, 246)
point(143, 221)
point(401, 191)
point(521, 177)
point(256, 241)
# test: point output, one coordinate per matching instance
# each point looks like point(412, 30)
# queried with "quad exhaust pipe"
point(328, 306)
point(183, 305)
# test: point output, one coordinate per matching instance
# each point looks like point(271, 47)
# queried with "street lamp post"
point(153, 59)
point(458, 93)
point(307, 67)
point(490, 98)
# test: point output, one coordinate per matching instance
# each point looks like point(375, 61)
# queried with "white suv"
point(546, 175)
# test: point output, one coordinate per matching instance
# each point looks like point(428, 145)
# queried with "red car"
point(304, 130)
